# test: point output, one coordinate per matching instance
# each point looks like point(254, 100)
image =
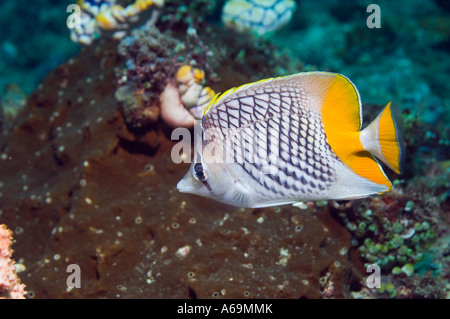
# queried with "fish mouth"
point(183, 187)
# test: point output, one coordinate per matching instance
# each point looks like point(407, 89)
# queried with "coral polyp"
point(10, 285)
point(259, 17)
point(182, 105)
point(98, 17)
point(194, 95)
point(150, 70)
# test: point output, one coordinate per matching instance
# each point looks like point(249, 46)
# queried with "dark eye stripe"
point(198, 167)
point(199, 172)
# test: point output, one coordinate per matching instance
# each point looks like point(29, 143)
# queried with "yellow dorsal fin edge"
point(219, 97)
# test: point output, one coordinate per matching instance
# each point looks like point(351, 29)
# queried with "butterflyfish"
point(292, 139)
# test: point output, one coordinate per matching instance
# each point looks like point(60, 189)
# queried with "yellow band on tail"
point(390, 139)
point(384, 139)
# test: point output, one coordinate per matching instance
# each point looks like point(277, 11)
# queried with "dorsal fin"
point(219, 97)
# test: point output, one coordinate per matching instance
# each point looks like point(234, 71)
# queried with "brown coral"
point(87, 202)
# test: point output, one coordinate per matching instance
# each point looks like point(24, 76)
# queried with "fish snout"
point(186, 185)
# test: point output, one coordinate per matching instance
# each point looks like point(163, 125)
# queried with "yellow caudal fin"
point(342, 118)
point(384, 139)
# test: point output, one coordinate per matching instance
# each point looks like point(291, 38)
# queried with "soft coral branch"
point(10, 286)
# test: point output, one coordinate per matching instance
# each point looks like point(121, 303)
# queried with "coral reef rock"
point(86, 189)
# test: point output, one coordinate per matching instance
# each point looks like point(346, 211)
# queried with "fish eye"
point(200, 172)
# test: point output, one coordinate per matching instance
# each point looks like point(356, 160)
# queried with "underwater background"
point(87, 179)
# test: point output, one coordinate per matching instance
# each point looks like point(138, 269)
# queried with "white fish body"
point(290, 139)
